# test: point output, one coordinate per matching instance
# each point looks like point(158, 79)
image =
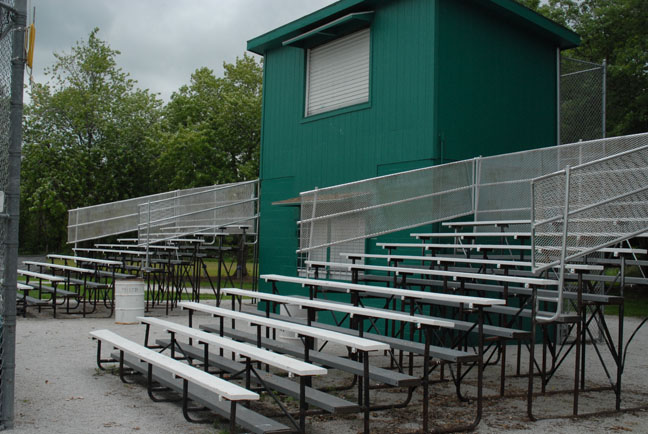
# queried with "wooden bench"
point(250, 353)
point(189, 374)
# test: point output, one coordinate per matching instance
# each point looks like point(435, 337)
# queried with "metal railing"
point(113, 218)
point(492, 188)
point(219, 208)
point(349, 213)
point(581, 209)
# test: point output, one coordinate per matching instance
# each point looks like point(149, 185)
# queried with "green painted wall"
point(496, 93)
point(496, 84)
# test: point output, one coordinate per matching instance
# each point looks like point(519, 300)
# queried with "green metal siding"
point(497, 84)
point(496, 93)
point(396, 126)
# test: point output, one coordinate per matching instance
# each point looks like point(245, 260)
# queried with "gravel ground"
point(60, 390)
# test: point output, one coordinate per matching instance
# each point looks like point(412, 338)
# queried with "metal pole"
point(148, 234)
point(13, 210)
point(604, 98)
point(563, 250)
point(558, 96)
point(312, 223)
point(476, 185)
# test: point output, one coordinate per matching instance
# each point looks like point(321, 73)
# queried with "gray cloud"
point(161, 42)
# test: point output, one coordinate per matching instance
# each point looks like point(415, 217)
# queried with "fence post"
point(13, 211)
point(476, 185)
point(148, 233)
point(533, 227)
point(312, 223)
point(558, 78)
point(604, 72)
point(563, 249)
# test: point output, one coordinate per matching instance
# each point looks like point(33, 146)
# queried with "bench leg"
point(365, 380)
point(122, 373)
point(186, 409)
point(302, 404)
point(150, 389)
point(99, 359)
point(232, 417)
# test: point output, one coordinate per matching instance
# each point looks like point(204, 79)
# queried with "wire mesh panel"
point(205, 211)
point(349, 213)
point(113, 218)
point(582, 100)
point(6, 40)
point(503, 190)
point(607, 202)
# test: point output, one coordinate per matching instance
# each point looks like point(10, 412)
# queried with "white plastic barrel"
point(129, 300)
point(292, 311)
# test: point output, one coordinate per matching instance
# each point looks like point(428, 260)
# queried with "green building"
point(363, 88)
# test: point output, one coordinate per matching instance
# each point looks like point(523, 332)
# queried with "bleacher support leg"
point(426, 384)
point(534, 294)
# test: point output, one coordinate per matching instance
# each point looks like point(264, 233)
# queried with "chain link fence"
point(6, 22)
point(582, 100)
point(12, 57)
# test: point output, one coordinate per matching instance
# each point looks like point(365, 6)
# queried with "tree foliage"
point(212, 127)
point(89, 137)
point(615, 31)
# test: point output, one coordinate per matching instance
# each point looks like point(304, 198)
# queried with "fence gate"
point(12, 61)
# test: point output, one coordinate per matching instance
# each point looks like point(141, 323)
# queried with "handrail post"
point(312, 223)
point(476, 185)
point(148, 234)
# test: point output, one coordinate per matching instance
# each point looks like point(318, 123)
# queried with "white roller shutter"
point(338, 73)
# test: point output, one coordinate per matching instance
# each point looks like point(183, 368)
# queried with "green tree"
point(89, 138)
point(212, 127)
point(615, 31)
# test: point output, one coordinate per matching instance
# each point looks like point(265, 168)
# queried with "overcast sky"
point(161, 42)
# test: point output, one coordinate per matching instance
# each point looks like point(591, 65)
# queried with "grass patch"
point(635, 302)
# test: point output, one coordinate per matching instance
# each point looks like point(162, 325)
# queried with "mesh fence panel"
point(608, 202)
point(198, 211)
point(113, 218)
point(582, 100)
point(349, 213)
point(5, 95)
point(503, 191)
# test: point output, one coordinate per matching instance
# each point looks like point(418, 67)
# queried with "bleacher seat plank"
point(323, 400)
point(361, 344)
point(402, 293)
point(442, 353)
point(245, 418)
point(255, 354)
point(217, 385)
point(379, 375)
